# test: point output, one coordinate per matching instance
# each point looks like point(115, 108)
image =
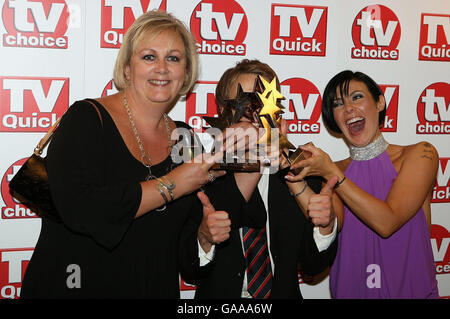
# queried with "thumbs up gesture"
point(215, 226)
point(320, 209)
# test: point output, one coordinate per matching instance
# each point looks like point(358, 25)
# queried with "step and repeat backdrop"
point(54, 52)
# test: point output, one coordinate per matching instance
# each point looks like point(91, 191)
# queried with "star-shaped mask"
point(259, 106)
point(245, 104)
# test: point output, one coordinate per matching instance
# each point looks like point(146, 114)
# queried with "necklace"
point(146, 160)
point(369, 151)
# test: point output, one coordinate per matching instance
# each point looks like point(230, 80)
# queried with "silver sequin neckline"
point(369, 151)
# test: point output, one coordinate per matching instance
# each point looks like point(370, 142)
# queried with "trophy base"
point(238, 167)
point(297, 156)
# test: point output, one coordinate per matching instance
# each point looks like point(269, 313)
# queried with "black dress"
point(100, 250)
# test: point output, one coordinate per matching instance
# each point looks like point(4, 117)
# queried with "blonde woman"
point(123, 202)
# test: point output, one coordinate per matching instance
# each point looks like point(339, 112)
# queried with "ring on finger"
point(211, 177)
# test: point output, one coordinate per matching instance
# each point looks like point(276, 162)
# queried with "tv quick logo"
point(13, 263)
point(13, 209)
point(302, 106)
point(391, 96)
point(441, 190)
point(119, 15)
point(220, 27)
point(199, 103)
point(376, 34)
point(433, 109)
point(29, 104)
point(434, 42)
point(35, 24)
point(440, 241)
point(298, 30)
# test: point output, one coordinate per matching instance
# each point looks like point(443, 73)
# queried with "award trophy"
point(260, 106)
point(245, 104)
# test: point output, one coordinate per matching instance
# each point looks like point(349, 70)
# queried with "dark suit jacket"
point(291, 241)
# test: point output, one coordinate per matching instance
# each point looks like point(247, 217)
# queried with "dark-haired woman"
point(384, 241)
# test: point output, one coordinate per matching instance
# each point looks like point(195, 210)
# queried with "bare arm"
point(186, 178)
point(408, 192)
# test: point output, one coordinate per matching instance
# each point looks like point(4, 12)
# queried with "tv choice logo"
point(391, 93)
point(35, 24)
point(201, 102)
point(298, 30)
point(376, 34)
point(32, 104)
point(302, 106)
point(13, 209)
point(441, 190)
point(118, 15)
point(220, 27)
point(440, 241)
point(434, 37)
point(433, 109)
point(13, 263)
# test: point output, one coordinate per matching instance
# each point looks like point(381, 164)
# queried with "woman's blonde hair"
point(151, 24)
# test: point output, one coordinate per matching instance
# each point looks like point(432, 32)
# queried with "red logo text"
point(35, 24)
point(376, 34)
point(119, 15)
point(220, 27)
point(298, 30)
point(433, 109)
point(29, 104)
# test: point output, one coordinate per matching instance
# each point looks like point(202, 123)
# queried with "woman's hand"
point(183, 180)
point(242, 138)
point(318, 164)
point(192, 175)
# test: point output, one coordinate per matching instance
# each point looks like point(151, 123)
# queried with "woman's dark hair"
point(341, 81)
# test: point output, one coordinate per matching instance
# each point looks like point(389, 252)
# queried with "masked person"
point(274, 210)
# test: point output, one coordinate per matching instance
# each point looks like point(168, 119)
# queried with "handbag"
point(30, 184)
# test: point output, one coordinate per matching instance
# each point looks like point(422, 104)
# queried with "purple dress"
point(368, 266)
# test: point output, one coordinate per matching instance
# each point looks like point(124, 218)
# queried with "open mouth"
point(355, 125)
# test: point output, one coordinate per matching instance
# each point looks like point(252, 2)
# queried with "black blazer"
point(291, 241)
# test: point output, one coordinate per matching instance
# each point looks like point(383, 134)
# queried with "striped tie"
point(259, 270)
